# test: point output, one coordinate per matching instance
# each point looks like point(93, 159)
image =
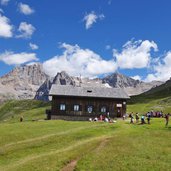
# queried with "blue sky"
point(91, 38)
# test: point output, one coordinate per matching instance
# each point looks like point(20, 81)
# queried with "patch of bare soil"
point(70, 166)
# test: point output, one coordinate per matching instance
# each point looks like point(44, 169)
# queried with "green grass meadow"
point(52, 145)
point(37, 144)
point(144, 105)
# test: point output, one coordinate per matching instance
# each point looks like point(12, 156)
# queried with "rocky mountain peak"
point(22, 82)
point(62, 78)
point(120, 81)
point(31, 74)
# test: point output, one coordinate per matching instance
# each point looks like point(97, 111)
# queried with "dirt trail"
point(70, 166)
point(46, 154)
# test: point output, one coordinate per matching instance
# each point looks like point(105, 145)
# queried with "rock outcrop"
point(120, 81)
point(23, 82)
point(61, 79)
point(30, 81)
point(131, 86)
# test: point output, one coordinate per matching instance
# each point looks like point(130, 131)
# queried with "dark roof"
point(69, 90)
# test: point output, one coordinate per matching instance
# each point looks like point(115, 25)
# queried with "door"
point(119, 112)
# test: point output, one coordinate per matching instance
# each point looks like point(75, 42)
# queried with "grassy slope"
point(157, 99)
point(51, 145)
point(157, 104)
point(29, 109)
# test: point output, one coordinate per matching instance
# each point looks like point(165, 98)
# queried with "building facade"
point(81, 103)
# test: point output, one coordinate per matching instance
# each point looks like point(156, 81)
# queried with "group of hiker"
point(137, 117)
point(147, 117)
point(104, 118)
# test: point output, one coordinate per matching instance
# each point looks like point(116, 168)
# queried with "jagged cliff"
point(61, 79)
point(30, 81)
point(131, 86)
point(22, 82)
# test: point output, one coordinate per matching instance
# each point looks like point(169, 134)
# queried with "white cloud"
point(135, 54)
point(33, 46)
point(75, 61)
point(162, 70)
point(5, 27)
point(25, 9)
point(136, 77)
point(92, 18)
point(26, 30)
point(12, 58)
point(4, 2)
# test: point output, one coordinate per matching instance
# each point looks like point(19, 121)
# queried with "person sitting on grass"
point(95, 119)
point(142, 119)
point(106, 119)
point(90, 119)
point(167, 119)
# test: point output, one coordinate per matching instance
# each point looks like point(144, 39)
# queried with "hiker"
point(167, 118)
point(137, 118)
point(21, 118)
point(148, 117)
point(132, 118)
point(142, 119)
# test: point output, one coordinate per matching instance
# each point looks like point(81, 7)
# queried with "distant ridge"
point(31, 82)
point(163, 90)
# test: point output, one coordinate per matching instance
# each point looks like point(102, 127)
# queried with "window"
point(76, 107)
point(62, 107)
point(103, 109)
point(89, 91)
point(90, 109)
